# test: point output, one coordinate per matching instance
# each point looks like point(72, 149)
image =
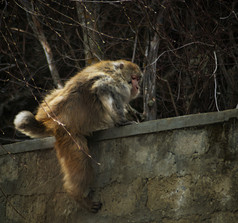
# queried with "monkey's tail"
point(77, 168)
point(26, 123)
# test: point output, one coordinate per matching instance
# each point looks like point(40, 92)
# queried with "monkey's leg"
point(77, 169)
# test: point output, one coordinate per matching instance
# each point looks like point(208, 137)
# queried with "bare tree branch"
point(39, 33)
point(47, 50)
point(87, 17)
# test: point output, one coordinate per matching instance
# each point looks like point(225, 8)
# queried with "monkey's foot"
point(90, 205)
point(96, 206)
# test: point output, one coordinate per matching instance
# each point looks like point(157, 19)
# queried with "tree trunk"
point(149, 81)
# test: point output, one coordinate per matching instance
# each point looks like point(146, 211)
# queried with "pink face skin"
point(135, 86)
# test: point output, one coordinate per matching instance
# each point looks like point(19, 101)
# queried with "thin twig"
point(185, 45)
point(215, 80)
point(5, 196)
point(134, 48)
point(171, 95)
point(7, 67)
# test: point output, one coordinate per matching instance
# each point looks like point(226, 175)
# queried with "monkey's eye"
point(135, 78)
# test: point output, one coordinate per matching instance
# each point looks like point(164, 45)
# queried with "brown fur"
point(93, 99)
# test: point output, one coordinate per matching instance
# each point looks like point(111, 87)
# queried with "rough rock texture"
point(184, 175)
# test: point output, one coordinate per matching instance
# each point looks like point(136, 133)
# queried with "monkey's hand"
point(133, 114)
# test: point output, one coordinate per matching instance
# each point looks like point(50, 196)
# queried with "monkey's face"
point(131, 73)
point(135, 82)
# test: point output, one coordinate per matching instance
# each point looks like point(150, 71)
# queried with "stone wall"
point(180, 169)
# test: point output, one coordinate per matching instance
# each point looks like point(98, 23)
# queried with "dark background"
point(192, 47)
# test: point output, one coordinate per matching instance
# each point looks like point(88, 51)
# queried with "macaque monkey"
point(93, 99)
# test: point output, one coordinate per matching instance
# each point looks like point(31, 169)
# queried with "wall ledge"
point(130, 130)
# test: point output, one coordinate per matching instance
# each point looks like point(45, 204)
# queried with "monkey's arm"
point(114, 97)
point(122, 120)
point(116, 108)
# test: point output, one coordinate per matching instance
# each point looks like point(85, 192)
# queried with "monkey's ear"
point(118, 65)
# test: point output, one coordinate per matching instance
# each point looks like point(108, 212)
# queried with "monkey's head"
point(132, 74)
